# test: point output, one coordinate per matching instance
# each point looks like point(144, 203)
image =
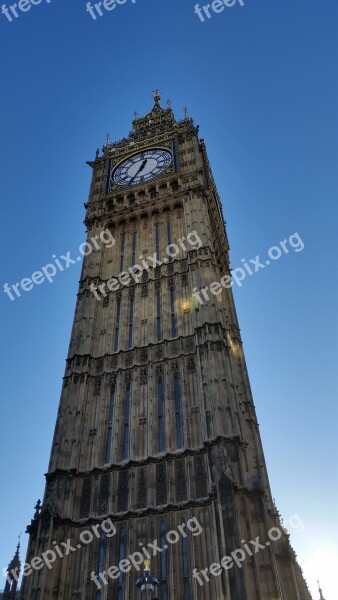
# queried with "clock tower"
point(157, 453)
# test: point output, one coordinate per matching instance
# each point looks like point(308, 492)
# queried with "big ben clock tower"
point(157, 453)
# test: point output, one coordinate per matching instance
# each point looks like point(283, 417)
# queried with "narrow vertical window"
point(111, 406)
point(164, 546)
point(160, 414)
point(117, 325)
point(123, 241)
point(122, 553)
point(157, 234)
point(101, 560)
point(172, 313)
point(119, 594)
point(185, 558)
point(126, 425)
point(133, 258)
point(169, 238)
point(110, 429)
point(177, 411)
point(131, 323)
point(158, 316)
point(108, 446)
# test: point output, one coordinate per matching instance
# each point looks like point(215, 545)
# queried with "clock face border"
point(152, 174)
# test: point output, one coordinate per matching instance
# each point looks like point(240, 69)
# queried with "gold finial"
point(147, 564)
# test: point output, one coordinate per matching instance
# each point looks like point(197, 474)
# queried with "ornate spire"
point(157, 97)
point(321, 597)
point(15, 562)
point(12, 576)
point(157, 120)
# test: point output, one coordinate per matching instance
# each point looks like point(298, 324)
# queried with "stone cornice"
point(170, 350)
point(136, 514)
point(220, 439)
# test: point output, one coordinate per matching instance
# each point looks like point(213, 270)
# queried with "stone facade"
point(156, 422)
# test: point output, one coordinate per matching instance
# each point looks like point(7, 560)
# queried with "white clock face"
point(142, 166)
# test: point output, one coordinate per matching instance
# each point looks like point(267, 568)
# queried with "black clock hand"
point(140, 169)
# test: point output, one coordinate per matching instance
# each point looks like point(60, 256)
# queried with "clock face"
point(142, 166)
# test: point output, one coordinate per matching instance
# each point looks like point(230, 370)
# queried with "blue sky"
point(261, 81)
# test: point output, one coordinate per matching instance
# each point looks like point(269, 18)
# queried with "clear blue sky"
point(261, 80)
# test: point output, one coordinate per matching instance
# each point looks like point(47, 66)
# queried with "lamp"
point(147, 584)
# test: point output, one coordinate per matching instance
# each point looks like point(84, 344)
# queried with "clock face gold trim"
point(142, 166)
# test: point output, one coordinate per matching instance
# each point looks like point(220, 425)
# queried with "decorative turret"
point(12, 577)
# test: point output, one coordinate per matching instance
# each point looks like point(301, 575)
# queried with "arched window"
point(157, 237)
point(101, 557)
point(177, 400)
point(122, 554)
point(185, 558)
point(169, 238)
point(110, 430)
point(126, 424)
point(163, 571)
point(172, 313)
point(174, 186)
point(117, 325)
point(133, 249)
point(160, 413)
point(131, 323)
point(158, 316)
point(111, 405)
point(123, 242)
point(108, 445)
point(119, 594)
